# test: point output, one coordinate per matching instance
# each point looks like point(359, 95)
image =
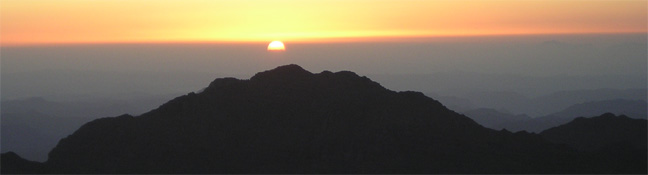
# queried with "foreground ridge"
point(289, 120)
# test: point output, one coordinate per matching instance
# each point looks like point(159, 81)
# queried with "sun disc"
point(276, 46)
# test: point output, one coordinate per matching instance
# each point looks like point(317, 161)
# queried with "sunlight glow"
point(276, 46)
point(83, 21)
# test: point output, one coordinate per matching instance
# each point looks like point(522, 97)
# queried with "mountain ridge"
point(630, 108)
point(598, 132)
point(288, 120)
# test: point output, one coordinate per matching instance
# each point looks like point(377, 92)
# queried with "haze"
point(610, 61)
point(64, 63)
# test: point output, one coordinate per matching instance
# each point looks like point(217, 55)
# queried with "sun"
point(276, 46)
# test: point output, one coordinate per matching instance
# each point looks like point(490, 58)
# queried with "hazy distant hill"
point(31, 127)
point(491, 118)
point(288, 120)
point(630, 108)
point(81, 85)
point(563, 99)
point(86, 107)
point(456, 104)
point(517, 103)
point(33, 135)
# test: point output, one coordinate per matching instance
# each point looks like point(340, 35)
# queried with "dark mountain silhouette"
point(11, 163)
point(607, 135)
point(288, 120)
point(632, 108)
point(599, 132)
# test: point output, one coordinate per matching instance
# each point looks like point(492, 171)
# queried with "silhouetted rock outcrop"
point(288, 120)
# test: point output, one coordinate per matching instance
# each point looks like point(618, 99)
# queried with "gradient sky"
point(107, 21)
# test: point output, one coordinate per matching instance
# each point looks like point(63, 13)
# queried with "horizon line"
point(354, 39)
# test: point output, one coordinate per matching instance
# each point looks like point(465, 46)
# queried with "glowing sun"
point(276, 46)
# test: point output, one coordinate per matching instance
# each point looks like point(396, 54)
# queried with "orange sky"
point(105, 21)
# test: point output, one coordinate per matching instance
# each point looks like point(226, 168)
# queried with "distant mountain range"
point(492, 118)
point(31, 127)
point(289, 120)
point(631, 108)
point(516, 103)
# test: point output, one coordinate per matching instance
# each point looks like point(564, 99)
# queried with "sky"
point(87, 46)
point(85, 51)
point(30, 22)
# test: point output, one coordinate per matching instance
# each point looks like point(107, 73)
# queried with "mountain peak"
point(294, 78)
point(282, 73)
